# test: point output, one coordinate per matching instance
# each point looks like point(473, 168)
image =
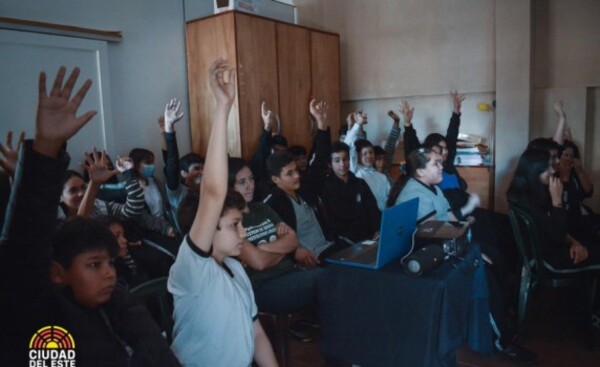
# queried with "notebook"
point(398, 225)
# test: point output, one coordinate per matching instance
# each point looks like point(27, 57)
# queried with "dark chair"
point(536, 272)
point(276, 327)
point(158, 300)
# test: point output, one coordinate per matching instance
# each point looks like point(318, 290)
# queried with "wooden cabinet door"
point(257, 76)
point(480, 181)
point(206, 40)
point(293, 61)
point(325, 73)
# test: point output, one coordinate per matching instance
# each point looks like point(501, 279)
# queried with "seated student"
point(143, 165)
point(577, 187)
point(304, 215)
point(425, 170)
point(153, 227)
point(182, 175)
point(362, 161)
point(301, 157)
point(536, 190)
point(270, 141)
point(130, 270)
point(453, 185)
point(576, 182)
point(65, 278)
point(158, 250)
point(79, 198)
point(278, 286)
point(492, 230)
point(349, 204)
point(216, 320)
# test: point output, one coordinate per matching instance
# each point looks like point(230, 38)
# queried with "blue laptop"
point(398, 225)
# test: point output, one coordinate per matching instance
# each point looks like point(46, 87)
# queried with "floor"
point(549, 331)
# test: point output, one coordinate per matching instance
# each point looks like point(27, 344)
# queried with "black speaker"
point(423, 260)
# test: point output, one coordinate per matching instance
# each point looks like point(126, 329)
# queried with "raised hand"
point(172, 114)
point(393, 116)
point(267, 116)
point(407, 111)
point(123, 164)
point(361, 118)
point(318, 110)
point(11, 155)
point(56, 121)
point(224, 91)
point(559, 109)
point(457, 100)
point(97, 167)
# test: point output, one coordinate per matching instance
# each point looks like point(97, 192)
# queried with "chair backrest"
point(158, 300)
point(526, 236)
point(530, 246)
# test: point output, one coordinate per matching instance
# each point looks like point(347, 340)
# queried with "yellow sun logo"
point(52, 337)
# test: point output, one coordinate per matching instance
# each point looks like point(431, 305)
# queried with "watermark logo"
point(52, 346)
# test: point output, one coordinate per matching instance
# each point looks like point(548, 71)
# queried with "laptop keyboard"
point(366, 256)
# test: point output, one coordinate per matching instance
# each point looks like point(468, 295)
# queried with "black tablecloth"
point(387, 318)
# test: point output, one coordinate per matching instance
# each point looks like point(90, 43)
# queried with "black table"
point(387, 318)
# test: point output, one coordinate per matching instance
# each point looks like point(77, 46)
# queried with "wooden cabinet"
point(282, 64)
point(481, 181)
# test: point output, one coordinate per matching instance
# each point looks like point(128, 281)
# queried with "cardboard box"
point(249, 6)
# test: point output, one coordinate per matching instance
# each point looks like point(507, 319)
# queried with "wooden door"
point(325, 74)
point(257, 76)
point(206, 40)
point(293, 62)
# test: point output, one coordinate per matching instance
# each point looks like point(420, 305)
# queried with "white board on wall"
point(25, 55)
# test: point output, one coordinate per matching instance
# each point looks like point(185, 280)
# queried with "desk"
point(387, 318)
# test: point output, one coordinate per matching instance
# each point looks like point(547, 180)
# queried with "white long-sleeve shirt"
point(378, 182)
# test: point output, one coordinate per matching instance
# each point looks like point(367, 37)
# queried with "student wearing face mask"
point(154, 227)
point(143, 161)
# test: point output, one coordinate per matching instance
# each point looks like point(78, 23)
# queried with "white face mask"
point(197, 180)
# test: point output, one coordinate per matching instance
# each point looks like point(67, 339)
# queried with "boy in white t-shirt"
point(216, 321)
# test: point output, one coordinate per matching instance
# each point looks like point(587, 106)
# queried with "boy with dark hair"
point(349, 203)
point(301, 211)
point(73, 285)
point(216, 319)
point(300, 155)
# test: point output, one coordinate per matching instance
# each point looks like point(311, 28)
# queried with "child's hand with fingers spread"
point(97, 167)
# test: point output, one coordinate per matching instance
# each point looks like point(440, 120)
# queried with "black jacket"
point(351, 208)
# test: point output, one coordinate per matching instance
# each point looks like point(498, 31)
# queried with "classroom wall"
point(567, 69)
point(146, 69)
point(522, 53)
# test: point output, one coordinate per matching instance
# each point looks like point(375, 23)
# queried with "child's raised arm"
point(214, 180)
